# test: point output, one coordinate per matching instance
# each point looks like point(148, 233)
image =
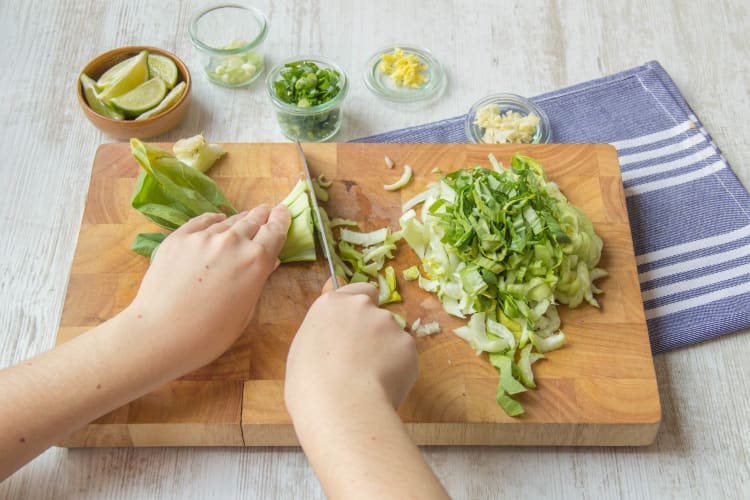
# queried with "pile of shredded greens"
point(504, 246)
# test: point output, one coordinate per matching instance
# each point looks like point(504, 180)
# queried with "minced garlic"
point(505, 128)
point(405, 69)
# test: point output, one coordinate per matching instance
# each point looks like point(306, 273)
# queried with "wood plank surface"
point(599, 390)
point(702, 449)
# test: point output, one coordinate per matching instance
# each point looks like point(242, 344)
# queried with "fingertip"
point(281, 215)
point(260, 212)
point(273, 232)
point(282, 209)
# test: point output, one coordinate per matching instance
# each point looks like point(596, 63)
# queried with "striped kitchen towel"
point(689, 214)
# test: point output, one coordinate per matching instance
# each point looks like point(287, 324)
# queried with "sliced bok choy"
point(197, 152)
point(402, 181)
point(504, 247)
point(300, 238)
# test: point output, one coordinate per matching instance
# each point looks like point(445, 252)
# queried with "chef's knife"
point(319, 224)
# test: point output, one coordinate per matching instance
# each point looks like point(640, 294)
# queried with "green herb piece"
point(146, 243)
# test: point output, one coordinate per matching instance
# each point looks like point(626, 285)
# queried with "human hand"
point(350, 365)
point(201, 288)
point(348, 351)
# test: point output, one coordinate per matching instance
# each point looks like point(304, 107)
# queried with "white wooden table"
point(530, 47)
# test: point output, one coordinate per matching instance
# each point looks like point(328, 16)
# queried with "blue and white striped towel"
point(689, 214)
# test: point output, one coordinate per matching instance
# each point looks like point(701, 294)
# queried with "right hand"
point(348, 368)
point(347, 352)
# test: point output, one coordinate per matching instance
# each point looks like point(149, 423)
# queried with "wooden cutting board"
point(600, 389)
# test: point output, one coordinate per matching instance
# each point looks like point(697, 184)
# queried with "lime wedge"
point(112, 73)
point(166, 103)
point(96, 104)
point(142, 98)
point(164, 68)
point(128, 77)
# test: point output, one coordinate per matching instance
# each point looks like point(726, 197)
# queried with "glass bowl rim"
point(432, 88)
point(199, 44)
point(294, 109)
point(515, 101)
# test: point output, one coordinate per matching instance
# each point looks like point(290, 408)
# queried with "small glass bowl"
point(508, 102)
point(382, 85)
point(229, 39)
point(315, 123)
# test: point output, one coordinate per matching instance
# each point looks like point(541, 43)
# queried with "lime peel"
point(142, 98)
point(96, 104)
point(110, 75)
point(130, 76)
point(164, 68)
point(139, 87)
point(167, 103)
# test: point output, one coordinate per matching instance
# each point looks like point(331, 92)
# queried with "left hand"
point(201, 289)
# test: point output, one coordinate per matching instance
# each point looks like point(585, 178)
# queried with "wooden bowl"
point(141, 129)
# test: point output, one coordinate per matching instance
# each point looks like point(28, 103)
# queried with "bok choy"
point(171, 190)
point(170, 193)
point(504, 246)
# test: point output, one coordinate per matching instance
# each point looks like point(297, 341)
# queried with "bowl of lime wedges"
point(134, 91)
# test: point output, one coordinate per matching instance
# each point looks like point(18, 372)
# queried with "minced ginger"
point(405, 69)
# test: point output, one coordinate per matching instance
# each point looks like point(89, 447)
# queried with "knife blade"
point(319, 225)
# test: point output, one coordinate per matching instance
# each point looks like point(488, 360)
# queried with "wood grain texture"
point(702, 448)
point(599, 390)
